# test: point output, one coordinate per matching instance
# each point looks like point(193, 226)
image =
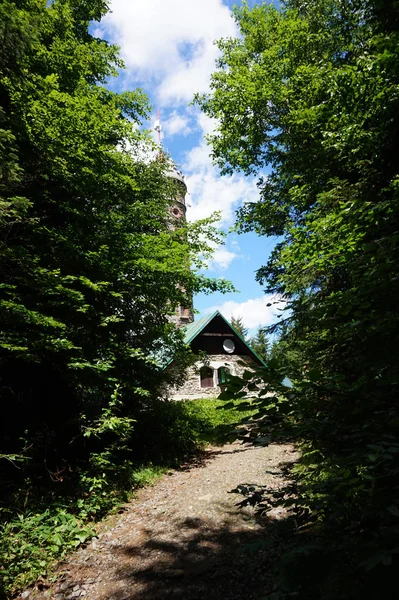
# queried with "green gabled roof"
point(193, 329)
point(190, 332)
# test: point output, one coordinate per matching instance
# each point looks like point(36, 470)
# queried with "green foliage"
point(343, 518)
point(147, 475)
point(32, 541)
point(36, 532)
point(238, 324)
point(260, 344)
point(214, 422)
point(40, 534)
point(90, 268)
point(311, 89)
point(168, 432)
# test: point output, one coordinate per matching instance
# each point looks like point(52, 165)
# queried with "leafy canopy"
point(310, 91)
point(90, 267)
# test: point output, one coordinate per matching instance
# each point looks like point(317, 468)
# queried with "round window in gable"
point(229, 346)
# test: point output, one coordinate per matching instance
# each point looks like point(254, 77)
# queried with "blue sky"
point(168, 49)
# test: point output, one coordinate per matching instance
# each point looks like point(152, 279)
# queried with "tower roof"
point(174, 173)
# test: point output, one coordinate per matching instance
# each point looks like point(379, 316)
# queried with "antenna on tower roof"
point(158, 127)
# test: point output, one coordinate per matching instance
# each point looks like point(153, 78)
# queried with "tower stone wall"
point(183, 314)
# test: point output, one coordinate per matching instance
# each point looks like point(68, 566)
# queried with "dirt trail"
point(185, 538)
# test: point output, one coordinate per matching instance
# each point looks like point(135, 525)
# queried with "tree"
point(238, 324)
point(260, 343)
point(311, 91)
point(90, 268)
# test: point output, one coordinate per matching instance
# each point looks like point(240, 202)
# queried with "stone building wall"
point(191, 388)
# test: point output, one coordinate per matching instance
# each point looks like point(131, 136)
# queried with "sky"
point(169, 51)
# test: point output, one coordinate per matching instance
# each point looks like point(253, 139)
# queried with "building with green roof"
point(222, 352)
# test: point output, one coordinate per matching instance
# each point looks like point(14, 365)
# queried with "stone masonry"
point(191, 388)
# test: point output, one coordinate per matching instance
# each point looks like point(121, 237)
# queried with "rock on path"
point(185, 538)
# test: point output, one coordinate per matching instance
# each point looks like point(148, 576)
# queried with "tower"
point(183, 315)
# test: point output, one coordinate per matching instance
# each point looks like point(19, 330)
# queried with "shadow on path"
point(203, 561)
point(203, 458)
point(188, 538)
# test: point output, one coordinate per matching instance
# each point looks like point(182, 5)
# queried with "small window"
point(206, 375)
point(223, 375)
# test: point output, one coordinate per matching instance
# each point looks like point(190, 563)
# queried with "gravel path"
point(185, 538)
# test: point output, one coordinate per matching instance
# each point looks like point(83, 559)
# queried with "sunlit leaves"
point(310, 93)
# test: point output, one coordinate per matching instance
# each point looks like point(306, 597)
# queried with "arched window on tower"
point(206, 376)
point(223, 375)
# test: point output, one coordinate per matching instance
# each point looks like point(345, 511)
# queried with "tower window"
point(223, 375)
point(206, 376)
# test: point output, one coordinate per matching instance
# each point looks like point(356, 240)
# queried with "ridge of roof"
point(193, 329)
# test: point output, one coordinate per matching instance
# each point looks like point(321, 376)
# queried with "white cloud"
point(176, 124)
point(210, 192)
point(207, 124)
point(254, 311)
point(168, 48)
point(169, 43)
point(189, 77)
point(222, 258)
point(198, 158)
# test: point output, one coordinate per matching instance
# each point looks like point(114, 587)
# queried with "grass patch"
point(147, 475)
point(214, 424)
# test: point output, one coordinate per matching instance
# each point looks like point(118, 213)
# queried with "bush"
point(213, 422)
point(168, 432)
point(30, 543)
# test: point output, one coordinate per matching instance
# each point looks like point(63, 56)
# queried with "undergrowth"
point(214, 422)
point(39, 525)
point(30, 542)
point(46, 529)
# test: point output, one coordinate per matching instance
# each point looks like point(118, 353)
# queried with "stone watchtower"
point(183, 314)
